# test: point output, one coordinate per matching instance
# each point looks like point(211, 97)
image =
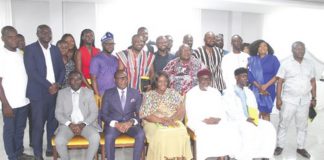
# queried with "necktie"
point(123, 99)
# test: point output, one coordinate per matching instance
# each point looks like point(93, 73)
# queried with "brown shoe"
point(277, 151)
point(303, 153)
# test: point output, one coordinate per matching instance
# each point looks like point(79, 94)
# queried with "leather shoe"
point(49, 153)
point(277, 151)
point(25, 156)
point(303, 153)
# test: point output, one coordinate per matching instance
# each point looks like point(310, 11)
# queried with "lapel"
point(41, 55)
point(81, 102)
point(128, 97)
point(52, 52)
point(117, 100)
point(68, 96)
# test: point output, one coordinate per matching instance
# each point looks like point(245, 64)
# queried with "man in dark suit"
point(45, 70)
point(120, 107)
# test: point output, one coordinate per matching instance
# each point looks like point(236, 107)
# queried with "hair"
point(85, 31)
point(6, 29)
point(245, 45)
point(236, 35)
point(240, 70)
point(42, 26)
point(70, 35)
point(20, 35)
point(297, 43)
point(156, 78)
point(140, 29)
point(255, 46)
point(119, 72)
point(59, 42)
point(75, 72)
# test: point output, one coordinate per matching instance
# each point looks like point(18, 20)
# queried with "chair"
point(123, 141)
point(77, 142)
point(192, 138)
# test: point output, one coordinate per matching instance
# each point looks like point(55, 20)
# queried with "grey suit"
point(89, 110)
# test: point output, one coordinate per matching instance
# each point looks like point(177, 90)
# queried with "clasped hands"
point(77, 128)
point(124, 126)
point(53, 88)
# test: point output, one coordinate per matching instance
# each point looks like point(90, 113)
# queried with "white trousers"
point(287, 113)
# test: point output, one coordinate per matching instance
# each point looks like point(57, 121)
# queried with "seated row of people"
point(223, 125)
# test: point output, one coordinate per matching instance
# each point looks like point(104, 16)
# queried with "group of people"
point(224, 97)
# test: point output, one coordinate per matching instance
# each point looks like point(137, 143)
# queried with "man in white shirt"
point(257, 138)
point(13, 84)
point(46, 72)
point(207, 117)
point(234, 60)
point(76, 112)
point(296, 93)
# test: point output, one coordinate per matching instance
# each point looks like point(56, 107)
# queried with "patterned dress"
point(69, 67)
point(165, 142)
point(183, 76)
point(136, 67)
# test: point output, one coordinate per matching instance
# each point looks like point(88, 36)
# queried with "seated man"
point(258, 137)
point(77, 112)
point(120, 107)
point(215, 136)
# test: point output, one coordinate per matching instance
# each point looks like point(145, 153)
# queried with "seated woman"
point(162, 111)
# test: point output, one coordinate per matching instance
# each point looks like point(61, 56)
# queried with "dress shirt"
point(76, 116)
point(49, 65)
point(113, 122)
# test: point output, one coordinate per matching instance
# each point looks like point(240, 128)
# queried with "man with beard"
point(162, 56)
point(211, 57)
point(136, 62)
point(103, 66)
point(46, 72)
point(234, 60)
point(220, 43)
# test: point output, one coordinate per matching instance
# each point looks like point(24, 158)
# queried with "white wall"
point(247, 25)
point(285, 26)
point(27, 15)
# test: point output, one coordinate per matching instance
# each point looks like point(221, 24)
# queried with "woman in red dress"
point(83, 57)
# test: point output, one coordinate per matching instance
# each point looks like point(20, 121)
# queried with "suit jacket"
point(87, 104)
point(34, 59)
point(111, 108)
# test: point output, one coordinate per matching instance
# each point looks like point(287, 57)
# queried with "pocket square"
point(132, 100)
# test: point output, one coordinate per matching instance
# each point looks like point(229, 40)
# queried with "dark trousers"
point(112, 133)
point(30, 124)
point(43, 111)
point(13, 132)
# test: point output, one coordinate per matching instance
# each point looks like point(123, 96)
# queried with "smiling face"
point(70, 41)
point(162, 43)
point(44, 34)
point(162, 83)
point(298, 50)
point(121, 79)
point(263, 49)
point(204, 82)
point(64, 48)
point(108, 46)
point(137, 43)
point(9, 39)
point(75, 80)
point(210, 39)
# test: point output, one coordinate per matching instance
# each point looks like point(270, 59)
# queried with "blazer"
point(34, 59)
point(87, 104)
point(111, 108)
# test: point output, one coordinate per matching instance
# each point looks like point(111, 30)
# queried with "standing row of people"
point(50, 68)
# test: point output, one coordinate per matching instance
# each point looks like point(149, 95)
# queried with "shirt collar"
point(78, 91)
point(120, 90)
point(49, 45)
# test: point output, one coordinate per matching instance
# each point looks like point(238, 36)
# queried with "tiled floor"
point(315, 142)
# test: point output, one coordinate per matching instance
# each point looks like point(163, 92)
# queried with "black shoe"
point(39, 158)
point(303, 153)
point(49, 153)
point(277, 151)
point(25, 156)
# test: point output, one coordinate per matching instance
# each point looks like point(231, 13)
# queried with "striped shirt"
point(136, 67)
point(213, 63)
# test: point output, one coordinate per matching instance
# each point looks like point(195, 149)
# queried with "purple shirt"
point(104, 66)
